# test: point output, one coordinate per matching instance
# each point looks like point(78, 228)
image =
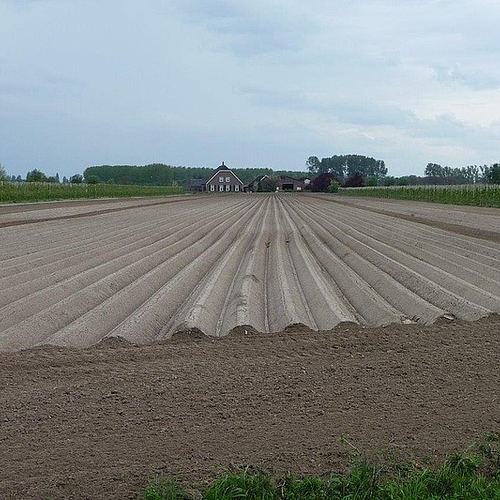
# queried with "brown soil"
point(97, 423)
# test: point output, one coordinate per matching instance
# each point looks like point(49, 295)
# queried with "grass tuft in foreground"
point(463, 475)
point(164, 489)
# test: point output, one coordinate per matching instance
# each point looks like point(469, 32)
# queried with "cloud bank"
point(253, 83)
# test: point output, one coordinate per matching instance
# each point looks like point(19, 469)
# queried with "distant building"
point(197, 184)
point(287, 183)
point(262, 183)
point(224, 180)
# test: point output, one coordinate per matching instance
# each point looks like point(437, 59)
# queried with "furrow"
point(285, 303)
point(208, 301)
point(451, 294)
point(327, 304)
point(376, 296)
point(78, 271)
point(39, 327)
point(245, 303)
point(84, 239)
point(155, 318)
point(477, 255)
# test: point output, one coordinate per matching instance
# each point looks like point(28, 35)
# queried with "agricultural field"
point(183, 335)
point(481, 195)
point(20, 192)
point(146, 271)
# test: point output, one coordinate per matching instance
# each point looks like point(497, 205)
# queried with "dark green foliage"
point(493, 174)
point(309, 488)
point(333, 187)
point(355, 180)
point(76, 179)
point(322, 182)
point(92, 179)
point(343, 166)
point(158, 174)
point(471, 174)
point(36, 176)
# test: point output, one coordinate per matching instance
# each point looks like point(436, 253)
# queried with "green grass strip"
point(463, 475)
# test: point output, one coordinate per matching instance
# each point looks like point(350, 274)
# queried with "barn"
point(287, 183)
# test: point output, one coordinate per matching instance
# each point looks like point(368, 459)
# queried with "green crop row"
point(17, 192)
point(479, 195)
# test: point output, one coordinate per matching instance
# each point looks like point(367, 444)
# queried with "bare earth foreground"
point(384, 350)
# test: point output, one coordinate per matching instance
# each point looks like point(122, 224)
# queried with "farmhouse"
point(224, 180)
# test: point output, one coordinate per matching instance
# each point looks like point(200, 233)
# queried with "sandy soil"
point(144, 271)
point(471, 221)
point(97, 423)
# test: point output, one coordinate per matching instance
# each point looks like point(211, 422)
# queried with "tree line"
point(359, 171)
point(159, 174)
point(471, 174)
point(345, 166)
point(345, 170)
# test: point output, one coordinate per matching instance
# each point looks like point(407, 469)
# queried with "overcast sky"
point(256, 83)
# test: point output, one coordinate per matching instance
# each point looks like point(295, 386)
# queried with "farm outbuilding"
point(197, 184)
point(224, 180)
point(287, 183)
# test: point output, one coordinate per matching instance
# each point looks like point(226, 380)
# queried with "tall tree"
point(493, 174)
point(313, 164)
point(433, 170)
point(36, 175)
point(3, 174)
point(76, 179)
point(342, 166)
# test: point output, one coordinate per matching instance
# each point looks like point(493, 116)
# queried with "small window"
point(221, 187)
point(236, 187)
point(228, 179)
point(212, 187)
point(221, 179)
point(228, 187)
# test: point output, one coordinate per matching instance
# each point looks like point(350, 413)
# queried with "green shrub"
point(333, 187)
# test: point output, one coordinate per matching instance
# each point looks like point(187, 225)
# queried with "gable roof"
point(224, 168)
point(258, 179)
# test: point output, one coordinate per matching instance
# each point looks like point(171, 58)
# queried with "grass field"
point(18, 192)
point(471, 194)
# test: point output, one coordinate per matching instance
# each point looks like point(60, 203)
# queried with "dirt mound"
point(99, 422)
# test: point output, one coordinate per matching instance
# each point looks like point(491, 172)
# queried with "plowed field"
point(98, 422)
point(73, 275)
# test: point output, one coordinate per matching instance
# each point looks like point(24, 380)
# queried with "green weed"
point(472, 474)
